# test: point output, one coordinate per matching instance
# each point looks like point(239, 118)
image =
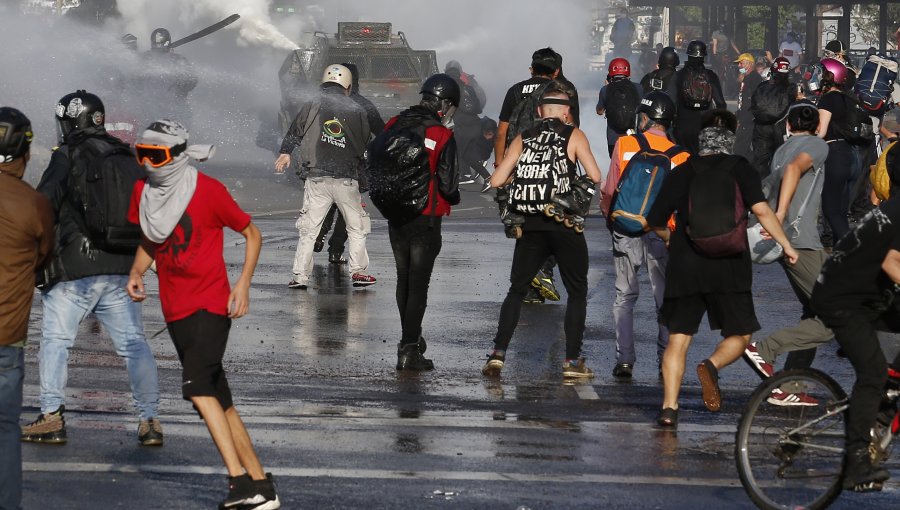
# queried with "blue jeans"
point(66, 304)
point(12, 372)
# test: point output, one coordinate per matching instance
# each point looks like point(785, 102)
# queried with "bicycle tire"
point(781, 465)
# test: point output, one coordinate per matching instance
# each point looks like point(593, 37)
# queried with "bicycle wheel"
point(790, 456)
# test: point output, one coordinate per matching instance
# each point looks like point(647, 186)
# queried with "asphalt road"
point(313, 375)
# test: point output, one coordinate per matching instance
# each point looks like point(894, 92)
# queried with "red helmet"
point(781, 65)
point(619, 67)
point(836, 68)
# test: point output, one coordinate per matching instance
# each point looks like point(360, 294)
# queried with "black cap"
point(835, 46)
point(547, 58)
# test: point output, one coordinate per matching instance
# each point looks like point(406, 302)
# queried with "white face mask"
point(742, 70)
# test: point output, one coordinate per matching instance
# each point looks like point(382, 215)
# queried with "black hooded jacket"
point(75, 256)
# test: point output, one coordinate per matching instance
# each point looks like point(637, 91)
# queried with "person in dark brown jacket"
point(26, 244)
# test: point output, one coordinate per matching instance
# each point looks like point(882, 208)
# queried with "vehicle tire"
point(792, 456)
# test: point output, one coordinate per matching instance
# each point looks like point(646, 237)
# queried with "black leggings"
point(840, 172)
point(416, 246)
point(855, 328)
point(532, 251)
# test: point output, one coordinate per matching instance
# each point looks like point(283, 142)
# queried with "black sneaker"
point(543, 283)
point(294, 284)
point(859, 473)
point(623, 370)
point(242, 494)
point(532, 297)
point(150, 432)
point(409, 357)
point(336, 258)
point(48, 428)
point(494, 365)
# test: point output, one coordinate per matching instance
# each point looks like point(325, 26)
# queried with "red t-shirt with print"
point(190, 264)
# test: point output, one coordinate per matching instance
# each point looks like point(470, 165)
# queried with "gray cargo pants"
point(810, 331)
point(629, 254)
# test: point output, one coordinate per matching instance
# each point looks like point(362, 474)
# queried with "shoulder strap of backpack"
point(642, 142)
point(674, 150)
point(809, 194)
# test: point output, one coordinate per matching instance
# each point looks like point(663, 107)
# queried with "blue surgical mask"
point(742, 70)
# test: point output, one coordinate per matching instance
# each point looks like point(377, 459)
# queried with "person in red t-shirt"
point(182, 213)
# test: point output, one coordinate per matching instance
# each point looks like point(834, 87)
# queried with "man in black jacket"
point(769, 106)
point(416, 242)
point(661, 77)
point(331, 133)
point(84, 279)
point(695, 90)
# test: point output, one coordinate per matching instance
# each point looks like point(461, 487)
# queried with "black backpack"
point(542, 170)
point(524, 115)
point(468, 102)
point(398, 168)
point(103, 177)
point(857, 127)
point(695, 88)
point(717, 216)
point(622, 101)
point(770, 102)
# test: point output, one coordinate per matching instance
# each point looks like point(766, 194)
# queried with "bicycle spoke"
point(792, 456)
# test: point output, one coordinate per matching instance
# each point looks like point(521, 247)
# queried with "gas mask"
point(446, 113)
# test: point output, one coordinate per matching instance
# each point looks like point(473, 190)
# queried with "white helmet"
point(339, 74)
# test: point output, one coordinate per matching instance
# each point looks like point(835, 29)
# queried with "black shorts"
point(733, 313)
point(200, 340)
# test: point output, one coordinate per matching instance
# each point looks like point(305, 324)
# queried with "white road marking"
point(586, 392)
point(309, 418)
point(383, 474)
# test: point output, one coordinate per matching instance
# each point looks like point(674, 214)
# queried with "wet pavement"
point(313, 375)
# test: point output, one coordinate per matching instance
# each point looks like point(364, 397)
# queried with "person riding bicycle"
point(855, 295)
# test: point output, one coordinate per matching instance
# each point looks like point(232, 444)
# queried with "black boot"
point(409, 357)
point(859, 473)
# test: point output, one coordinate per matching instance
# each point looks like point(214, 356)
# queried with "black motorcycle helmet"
point(78, 111)
point(658, 106)
point(668, 58)
point(441, 93)
point(15, 134)
point(160, 39)
point(696, 49)
point(442, 86)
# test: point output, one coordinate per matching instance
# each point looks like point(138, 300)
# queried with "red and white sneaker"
point(757, 363)
point(362, 280)
point(781, 398)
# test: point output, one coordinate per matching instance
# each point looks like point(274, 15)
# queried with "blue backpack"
point(638, 188)
point(875, 83)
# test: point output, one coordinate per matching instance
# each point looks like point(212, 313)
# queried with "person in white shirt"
point(791, 49)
